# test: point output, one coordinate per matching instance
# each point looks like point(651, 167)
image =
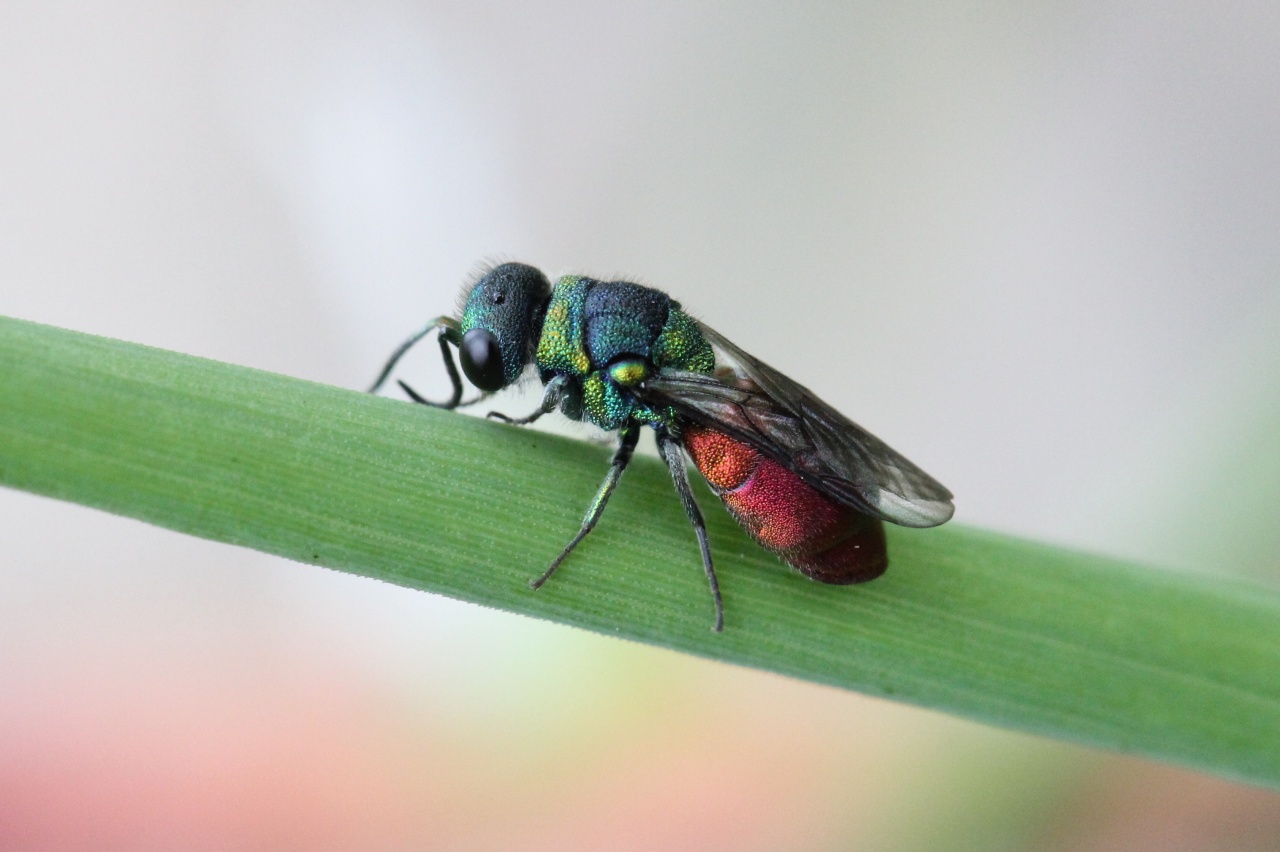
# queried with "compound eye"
point(482, 360)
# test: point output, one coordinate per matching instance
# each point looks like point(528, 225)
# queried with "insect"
point(803, 480)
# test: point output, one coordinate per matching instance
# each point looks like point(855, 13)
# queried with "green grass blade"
point(997, 629)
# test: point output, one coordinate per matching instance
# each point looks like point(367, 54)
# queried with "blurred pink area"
point(284, 754)
point(1145, 808)
point(171, 756)
point(288, 753)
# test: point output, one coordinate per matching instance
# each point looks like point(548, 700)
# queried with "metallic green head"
point(501, 321)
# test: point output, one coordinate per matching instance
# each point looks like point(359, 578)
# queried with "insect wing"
point(786, 421)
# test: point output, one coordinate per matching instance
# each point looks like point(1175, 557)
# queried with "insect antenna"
point(448, 334)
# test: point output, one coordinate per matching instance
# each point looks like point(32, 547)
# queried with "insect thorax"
point(609, 336)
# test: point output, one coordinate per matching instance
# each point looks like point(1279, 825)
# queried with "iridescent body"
point(805, 482)
point(608, 337)
point(815, 535)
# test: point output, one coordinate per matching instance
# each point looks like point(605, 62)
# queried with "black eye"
point(482, 360)
point(499, 297)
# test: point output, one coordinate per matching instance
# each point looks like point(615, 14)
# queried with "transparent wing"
point(760, 406)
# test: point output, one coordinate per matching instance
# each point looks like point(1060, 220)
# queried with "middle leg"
point(621, 458)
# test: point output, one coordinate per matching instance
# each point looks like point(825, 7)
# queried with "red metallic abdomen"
point(819, 537)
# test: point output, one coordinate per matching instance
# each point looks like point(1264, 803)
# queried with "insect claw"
point(536, 582)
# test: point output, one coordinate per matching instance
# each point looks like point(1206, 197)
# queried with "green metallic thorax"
point(609, 336)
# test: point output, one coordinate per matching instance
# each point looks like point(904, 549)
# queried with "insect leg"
point(448, 333)
point(671, 453)
point(552, 396)
point(621, 458)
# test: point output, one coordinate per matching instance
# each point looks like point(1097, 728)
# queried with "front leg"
point(552, 396)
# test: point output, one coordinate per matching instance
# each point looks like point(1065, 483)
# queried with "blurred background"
point(1033, 247)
